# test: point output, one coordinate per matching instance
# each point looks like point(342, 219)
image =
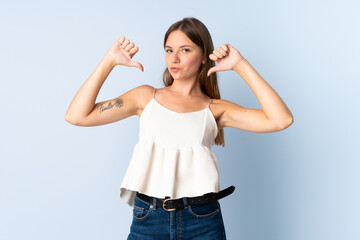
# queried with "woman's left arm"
point(274, 115)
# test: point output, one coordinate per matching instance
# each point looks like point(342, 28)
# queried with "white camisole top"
point(173, 155)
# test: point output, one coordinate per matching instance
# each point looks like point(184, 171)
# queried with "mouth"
point(174, 69)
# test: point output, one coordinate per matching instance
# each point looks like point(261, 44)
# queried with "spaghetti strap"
point(210, 102)
point(154, 93)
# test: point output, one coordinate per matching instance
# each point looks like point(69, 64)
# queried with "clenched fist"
point(122, 52)
point(227, 58)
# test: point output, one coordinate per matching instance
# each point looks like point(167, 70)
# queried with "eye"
point(187, 49)
point(167, 50)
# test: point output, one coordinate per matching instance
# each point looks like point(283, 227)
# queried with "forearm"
point(84, 100)
point(271, 103)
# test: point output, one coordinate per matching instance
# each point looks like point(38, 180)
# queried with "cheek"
point(194, 63)
point(167, 60)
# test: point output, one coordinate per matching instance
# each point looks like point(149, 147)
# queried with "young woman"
point(172, 181)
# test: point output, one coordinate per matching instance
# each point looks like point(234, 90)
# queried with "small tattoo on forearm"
point(118, 102)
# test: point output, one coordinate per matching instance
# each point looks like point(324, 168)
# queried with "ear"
point(203, 59)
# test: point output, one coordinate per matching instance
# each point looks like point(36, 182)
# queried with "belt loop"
point(154, 202)
point(185, 202)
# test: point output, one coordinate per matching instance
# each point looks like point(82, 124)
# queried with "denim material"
point(196, 222)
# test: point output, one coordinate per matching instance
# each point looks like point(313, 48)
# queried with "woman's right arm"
point(84, 112)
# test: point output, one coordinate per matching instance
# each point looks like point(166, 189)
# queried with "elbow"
point(75, 121)
point(286, 124)
point(71, 121)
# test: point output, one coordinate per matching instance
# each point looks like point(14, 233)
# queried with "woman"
point(172, 181)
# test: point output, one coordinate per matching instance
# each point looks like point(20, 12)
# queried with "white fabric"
point(173, 155)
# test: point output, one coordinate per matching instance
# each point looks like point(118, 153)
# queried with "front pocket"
point(204, 210)
point(141, 210)
point(138, 210)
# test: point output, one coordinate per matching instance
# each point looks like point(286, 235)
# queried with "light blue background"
point(59, 181)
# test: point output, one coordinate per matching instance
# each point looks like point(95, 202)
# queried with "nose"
point(175, 58)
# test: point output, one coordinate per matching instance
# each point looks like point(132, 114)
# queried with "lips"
point(174, 69)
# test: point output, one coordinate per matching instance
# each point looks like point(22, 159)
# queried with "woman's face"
point(184, 55)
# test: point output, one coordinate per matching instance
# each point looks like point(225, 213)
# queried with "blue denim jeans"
point(196, 222)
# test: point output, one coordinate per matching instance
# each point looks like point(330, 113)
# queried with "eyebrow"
point(180, 46)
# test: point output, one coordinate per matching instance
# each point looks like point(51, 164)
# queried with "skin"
point(182, 53)
point(184, 95)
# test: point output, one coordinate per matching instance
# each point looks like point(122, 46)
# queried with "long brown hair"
point(197, 32)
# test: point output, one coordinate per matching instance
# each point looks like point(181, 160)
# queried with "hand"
point(122, 52)
point(227, 58)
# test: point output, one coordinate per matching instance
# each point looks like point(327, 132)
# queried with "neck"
point(186, 88)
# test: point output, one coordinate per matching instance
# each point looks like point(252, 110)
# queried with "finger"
point(126, 42)
point(138, 65)
point(211, 70)
point(121, 39)
point(213, 57)
point(216, 53)
point(214, 69)
point(222, 51)
point(128, 47)
point(224, 47)
point(134, 50)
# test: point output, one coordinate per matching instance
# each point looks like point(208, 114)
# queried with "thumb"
point(213, 69)
point(138, 65)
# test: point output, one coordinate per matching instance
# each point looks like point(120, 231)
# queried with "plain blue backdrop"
point(59, 181)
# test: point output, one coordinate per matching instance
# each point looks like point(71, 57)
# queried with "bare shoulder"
point(144, 90)
point(137, 97)
point(144, 94)
point(220, 108)
point(222, 104)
